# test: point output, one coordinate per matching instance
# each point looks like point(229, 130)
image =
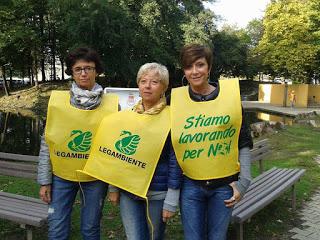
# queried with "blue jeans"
point(62, 199)
point(203, 212)
point(134, 218)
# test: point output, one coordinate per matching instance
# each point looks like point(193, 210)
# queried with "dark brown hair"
point(86, 54)
point(191, 53)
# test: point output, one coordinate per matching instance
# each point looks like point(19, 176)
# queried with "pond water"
point(253, 116)
point(19, 134)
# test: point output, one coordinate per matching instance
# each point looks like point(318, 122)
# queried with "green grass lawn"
point(293, 147)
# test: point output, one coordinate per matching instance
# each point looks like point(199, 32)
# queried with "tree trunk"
point(5, 126)
point(31, 76)
point(35, 71)
point(35, 132)
point(43, 72)
point(62, 69)
point(4, 82)
point(10, 79)
point(53, 51)
point(42, 61)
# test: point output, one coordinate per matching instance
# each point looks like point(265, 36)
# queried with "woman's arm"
point(44, 172)
point(245, 170)
point(171, 201)
point(44, 165)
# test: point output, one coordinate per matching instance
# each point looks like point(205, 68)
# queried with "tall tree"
point(255, 66)
point(231, 48)
point(288, 44)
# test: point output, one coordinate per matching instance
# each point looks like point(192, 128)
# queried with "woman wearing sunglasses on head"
point(212, 144)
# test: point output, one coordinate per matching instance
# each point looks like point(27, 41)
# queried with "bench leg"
point(29, 234)
point(260, 166)
point(240, 231)
point(293, 198)
point(28, 229)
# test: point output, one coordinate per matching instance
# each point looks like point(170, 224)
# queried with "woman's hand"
point(235, 198)
point(45, 193)
point(114, 198)
point(166, 215)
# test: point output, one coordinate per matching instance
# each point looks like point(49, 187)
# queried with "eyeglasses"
point(78, 70)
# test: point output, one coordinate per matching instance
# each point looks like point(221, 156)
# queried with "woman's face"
point(197, 73)
point(150, 88)
point(84, 73)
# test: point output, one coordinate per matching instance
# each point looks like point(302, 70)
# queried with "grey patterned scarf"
point(85, 99)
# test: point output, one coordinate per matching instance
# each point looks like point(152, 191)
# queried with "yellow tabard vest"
point(127, 156)
point(70, 131)
point(205, 134)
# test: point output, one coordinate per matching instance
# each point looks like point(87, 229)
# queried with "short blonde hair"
point(159, 69)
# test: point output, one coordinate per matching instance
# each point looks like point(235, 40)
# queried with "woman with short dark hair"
point(72, 119)
point(211, 142)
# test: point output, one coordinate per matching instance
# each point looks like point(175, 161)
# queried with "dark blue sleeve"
point(245, 139)
point(174, 170)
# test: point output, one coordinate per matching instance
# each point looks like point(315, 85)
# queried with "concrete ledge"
point(288, 111)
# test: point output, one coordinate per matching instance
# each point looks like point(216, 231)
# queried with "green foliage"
point(231, 49)
point(126, 33)
point(255, 31)
point(289, 44)
point(200, 29)
point(129, 33)
point(21, 33)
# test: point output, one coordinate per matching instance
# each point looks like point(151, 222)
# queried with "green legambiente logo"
point(128, 144)
point(81, 141)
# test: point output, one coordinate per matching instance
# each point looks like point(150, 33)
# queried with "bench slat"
point(22, 218)
point(25, 208)
point(18, 165)
point(19, 157)
point(272, 180)
point(254, 208)
point(15, 196)
point(261, 143)
point(16, 173)
point(21, 203)
point(249, 208)
point(261, 194)
point(275, 177)
point(258, 151)
point(15, 165)
point(259, 156)
point(261, 178)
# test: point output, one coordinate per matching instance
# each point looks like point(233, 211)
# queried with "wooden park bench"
point(265, 188)
point(27, 211)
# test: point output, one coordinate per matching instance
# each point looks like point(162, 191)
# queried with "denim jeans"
point(203, 212)
point(134, 218)
point(62, 199)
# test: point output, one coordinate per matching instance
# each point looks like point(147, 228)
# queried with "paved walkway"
point(310, 215)
point(276, 109)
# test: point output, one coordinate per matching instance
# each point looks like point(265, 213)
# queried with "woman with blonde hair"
point(137, 157)
point(163, 193)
